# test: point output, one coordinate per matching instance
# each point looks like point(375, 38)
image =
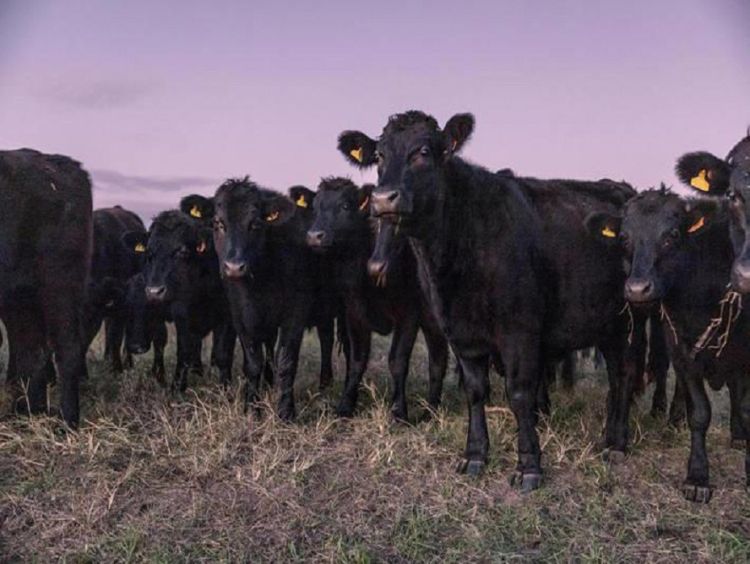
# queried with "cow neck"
point(701, 281)
point(350, 256)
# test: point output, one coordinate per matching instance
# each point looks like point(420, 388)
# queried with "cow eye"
point(219, 225)
point(346, 206)
point(183, 253)
point(378, 157)
point(424, 151)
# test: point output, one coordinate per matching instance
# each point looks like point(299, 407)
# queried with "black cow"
point(146, 325)
point(45, 252)
point(502, 282)
point(679, 256)
point(389, 302)
point(112, 265)
point(271, 279)
point(728, 178)
point(181, 274)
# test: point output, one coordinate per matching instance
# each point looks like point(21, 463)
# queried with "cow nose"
point(315, 238)
point(376, 268)
point(639, 290)
point(156, 293)
point(234, 269)
point(385, 202)
point(741, 277)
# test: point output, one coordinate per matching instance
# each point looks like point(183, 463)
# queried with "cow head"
point(655, 233)
point(412, 156)
point(198, 207)
point(176, 252)
point(730, 179)
point(341, 215)
point(244, 216)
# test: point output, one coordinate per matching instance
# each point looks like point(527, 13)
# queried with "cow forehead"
point(239, 205)
point(404, 139)
point(739, 156)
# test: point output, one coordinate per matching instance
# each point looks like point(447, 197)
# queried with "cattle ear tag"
point(301, 202)
point(140, 248)
point(697, 225)
point(273, 216)
point(363, 205)
point(201, 248)
point(607, 232)
point(356, 154)
point(196, 212)
point(699, 181)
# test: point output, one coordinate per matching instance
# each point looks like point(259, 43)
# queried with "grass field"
point(152, 477)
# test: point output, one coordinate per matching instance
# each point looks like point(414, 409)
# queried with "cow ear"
point(457, 131)
point(205, 240)
point(603, 226)
point(135, 241)
point(358, 148)
point(301, 196)
point(698, 215)
point(197, 206)
point(363, 200)
point(277, 210)
point(704, 172)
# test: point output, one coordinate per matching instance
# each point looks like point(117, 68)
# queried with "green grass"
point(162, 478)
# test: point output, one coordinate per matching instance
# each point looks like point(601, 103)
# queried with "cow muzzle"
point(640, 291)
point(234, 270)
point(387, 202)
point(317, 239)
point(156, 294)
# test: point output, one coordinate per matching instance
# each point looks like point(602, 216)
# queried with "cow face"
point(411, 156)
point(730, 179)
point(654, 234)
point(341, 215)
point(175, 255)
point(244, 216)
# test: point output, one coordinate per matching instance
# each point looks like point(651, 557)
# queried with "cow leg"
point(402, 343)
point(359, 354)
point(269, 346)
point(159, 342)
point(476, 385)
point(325, 337)
point(625, 363)
point(567, 375)
point(658, 365)
point(222, 351)
point(287, 358)
point(547, 381)
point(29, 357)
point(114, 328)
point(736, 426)
point(65, 334)
point(677, 414)
point(522, 360)
point(696, 486)
point(252, 366)
point(188, 355)
point(437, 350)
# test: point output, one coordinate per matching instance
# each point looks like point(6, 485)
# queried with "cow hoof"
point(345, 411)
point(530, 482)
point(698, 494)
point(286, 414)
point(473, 468)
point(613, 456)
point(738, 444)
point(399, 416)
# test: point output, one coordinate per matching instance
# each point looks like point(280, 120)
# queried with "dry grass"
point(150, 477)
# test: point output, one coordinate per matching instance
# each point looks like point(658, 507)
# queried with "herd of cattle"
point(504, 271)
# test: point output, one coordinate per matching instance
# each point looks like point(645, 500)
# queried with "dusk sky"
point(161, 99)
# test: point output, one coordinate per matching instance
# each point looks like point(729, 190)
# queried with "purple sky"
point(160, 99)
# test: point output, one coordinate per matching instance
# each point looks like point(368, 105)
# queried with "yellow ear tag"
point(607, 232)
point(272, 217)
point(301, 202)
point(700, 181)
point(697, 225)
point(363, 205)
point(196, 212)
point(201, 248)
point(140, 248)
point(356, 154)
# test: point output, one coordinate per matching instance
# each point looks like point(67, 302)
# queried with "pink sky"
point(161, 99)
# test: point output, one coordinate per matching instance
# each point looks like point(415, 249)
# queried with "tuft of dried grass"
point(151, 476)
